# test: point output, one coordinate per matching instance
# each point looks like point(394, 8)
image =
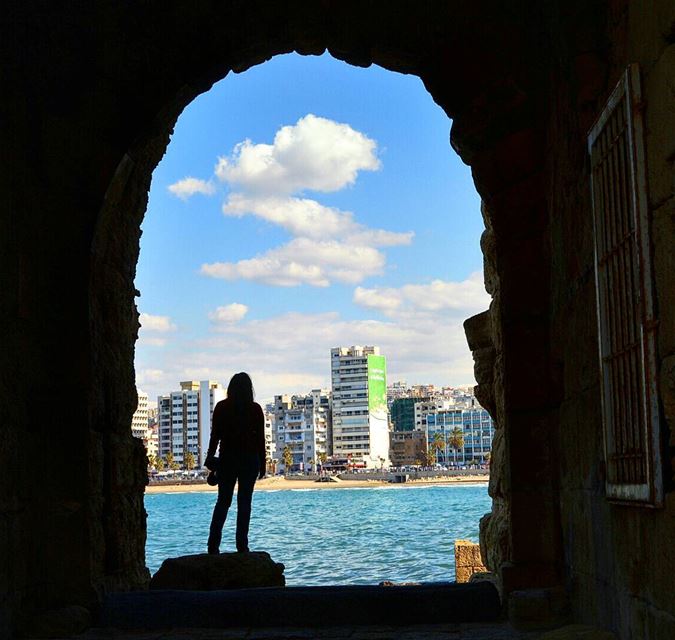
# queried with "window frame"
point(627, 95)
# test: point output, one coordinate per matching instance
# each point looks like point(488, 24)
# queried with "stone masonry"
point(468, 560)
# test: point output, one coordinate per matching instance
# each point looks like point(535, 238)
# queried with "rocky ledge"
point(204, 572)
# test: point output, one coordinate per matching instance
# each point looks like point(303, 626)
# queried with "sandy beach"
point(277, 483)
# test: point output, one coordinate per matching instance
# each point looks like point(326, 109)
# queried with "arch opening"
point(494, 126)
point(205, 222)
point(495, 101)
point(92, 95)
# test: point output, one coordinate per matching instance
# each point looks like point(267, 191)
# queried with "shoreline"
point(279, 483)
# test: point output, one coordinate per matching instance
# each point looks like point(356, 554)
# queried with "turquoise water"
point(332, 536)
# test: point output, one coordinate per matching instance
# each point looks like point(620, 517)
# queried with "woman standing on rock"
point(238, 426)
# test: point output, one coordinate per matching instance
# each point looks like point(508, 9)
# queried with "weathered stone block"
point(463, 574)
point(468, 560)
point(207, 572)
point(494, 535)
point(478, 330)
point(467, 554)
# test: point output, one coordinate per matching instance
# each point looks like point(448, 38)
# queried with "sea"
point(332, 536)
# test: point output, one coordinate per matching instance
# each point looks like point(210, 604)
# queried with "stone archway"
point(107, 120)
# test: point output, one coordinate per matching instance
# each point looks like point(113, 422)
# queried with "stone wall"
point(619, 566)
point(90, 98)
point(482, 333)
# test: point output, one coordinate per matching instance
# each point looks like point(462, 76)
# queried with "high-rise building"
point(270, 445)
point(302, 423)
point(139, 421)
point(185, 419)
point(402, 414)
point(359, 385)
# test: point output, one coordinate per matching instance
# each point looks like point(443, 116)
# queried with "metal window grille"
point(626, 323)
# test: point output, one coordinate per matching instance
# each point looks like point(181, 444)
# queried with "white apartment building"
point(302, 423)
point(152, 440)
point(139, 421)
point(427, 406)
point(270, 445)
point(360, 424)
point(185, 419)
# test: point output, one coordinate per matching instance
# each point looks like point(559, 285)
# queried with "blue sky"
point(300, 205)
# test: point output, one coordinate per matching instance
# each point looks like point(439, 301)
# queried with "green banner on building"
point(377, 386)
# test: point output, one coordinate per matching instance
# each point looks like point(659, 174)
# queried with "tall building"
point(402, 414)
point(270, 445)
point(359, 385)
point(139, 421)
point(185, 419)
point(302, 423)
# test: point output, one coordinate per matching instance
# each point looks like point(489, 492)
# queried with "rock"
point(57, 623)
point(208, 572)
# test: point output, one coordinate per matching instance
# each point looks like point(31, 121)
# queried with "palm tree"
point(159, 463)
point(456, 441)
point(437, 444)
point(189, 460)
point(170, 462)
point(287, 457)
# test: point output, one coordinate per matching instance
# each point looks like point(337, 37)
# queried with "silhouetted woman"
point(239, 427)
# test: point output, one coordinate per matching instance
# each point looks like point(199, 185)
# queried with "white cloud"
point(304, 261)
point(422, 338)
point(150, 379)
point(154, 329)
point(315, 153)
point(290, 352)
point(382, 299)
point(159, 324)
point(327, 244)
point(309, 219)
point(151, 374)
point(187, 187)
point(229, 314)
point(458, 298)
point(153, 341)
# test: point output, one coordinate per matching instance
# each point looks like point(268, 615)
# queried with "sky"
point(302, 205)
